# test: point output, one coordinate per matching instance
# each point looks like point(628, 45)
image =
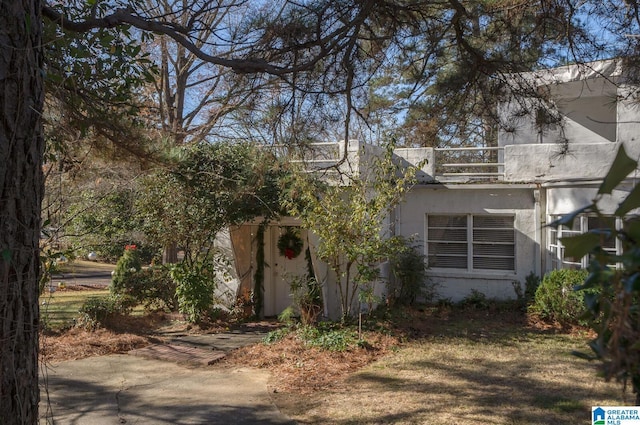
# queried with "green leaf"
point(631, 202)
point(580, 245)
point(621, 167)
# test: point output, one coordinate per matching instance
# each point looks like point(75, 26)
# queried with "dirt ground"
point(297, 369)
point(302, 376)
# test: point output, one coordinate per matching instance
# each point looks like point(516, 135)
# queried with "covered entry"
point(273, 266)
point(283, 266)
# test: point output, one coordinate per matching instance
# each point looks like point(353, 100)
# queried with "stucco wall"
point(546, 162)
point(565, 200)
point(629, 122)
point(415, 156)
point(475, 199)
point(594, 109)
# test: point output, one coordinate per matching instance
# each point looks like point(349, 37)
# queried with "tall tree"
point(21, 185)
point(191, 98)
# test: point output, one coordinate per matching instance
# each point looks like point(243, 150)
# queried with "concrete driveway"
point(127, 389)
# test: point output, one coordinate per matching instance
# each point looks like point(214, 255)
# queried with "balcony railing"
point(469, 163)
point(444, 164)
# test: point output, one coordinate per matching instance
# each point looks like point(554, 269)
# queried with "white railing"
point(447, 164)
point(467, 161)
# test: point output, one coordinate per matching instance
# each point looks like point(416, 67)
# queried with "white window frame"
point(556, 249)
point(470, 242)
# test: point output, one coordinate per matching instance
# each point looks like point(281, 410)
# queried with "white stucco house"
point(483, 223)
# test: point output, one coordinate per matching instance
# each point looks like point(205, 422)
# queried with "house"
point(482, 222)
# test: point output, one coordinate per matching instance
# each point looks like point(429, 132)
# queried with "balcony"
point(524, 163)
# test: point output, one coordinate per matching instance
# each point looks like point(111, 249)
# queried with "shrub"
point(556, 298)
point(152, 287)
point(306, 293)
point(195, 284)
point(525, 297)
point(126, 266)
point(329, 337)
point(99, 311)
point(410, 282)
point(276, 335)
point(475, 300)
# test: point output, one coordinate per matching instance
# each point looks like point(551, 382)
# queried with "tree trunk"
point(170, 254)
point(21, 188)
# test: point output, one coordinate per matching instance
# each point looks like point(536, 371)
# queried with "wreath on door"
point(290, 244)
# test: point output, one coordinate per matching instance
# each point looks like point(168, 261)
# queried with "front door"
point(281, 267)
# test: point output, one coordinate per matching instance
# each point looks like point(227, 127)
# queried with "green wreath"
point(290, 244)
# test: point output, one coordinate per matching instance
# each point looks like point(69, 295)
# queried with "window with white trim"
point(471, 242)
point(581, 224)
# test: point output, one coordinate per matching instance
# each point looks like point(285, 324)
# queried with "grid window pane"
point(447, 241)
point(493, 242)
point(489, 239)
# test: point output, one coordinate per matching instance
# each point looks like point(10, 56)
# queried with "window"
point(581, 224)
point(471, 242)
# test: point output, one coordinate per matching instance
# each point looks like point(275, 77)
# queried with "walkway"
point(162, 384)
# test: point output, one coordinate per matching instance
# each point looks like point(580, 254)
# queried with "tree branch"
point(125, 16)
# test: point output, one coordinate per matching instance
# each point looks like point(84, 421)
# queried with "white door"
point(279, 270)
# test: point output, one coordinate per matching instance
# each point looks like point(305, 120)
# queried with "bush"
point(556, 298)
point(327, 336)
point(525, 297)
point(410, 282)
point(306, 293)
point(126, 266)
point(195, 285)
point(97, 312)
point(276, 335)
point(476, 300)
point(152, 288)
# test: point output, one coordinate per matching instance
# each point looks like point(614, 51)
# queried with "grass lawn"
point(475, 369)
point(59, 309)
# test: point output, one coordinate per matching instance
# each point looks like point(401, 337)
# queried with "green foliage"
point(97, 312)
point(475, 300)
point(306, 293)
point(531, 284)
point(349, 218)
point(557, 300)
point(104, 222)
point(525, 296)
point(152, 288)
point(410, 282)
point(327, 336)
point(93, 82)
point(209, 187)
point(277, 335)
point(612, 295)
point(195, 284)
point(126, 267)
point(258, 276)
point(287, 315)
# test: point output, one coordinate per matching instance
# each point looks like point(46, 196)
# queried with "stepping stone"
point(179, 354)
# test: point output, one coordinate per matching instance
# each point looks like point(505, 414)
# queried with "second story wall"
point(585, 104)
